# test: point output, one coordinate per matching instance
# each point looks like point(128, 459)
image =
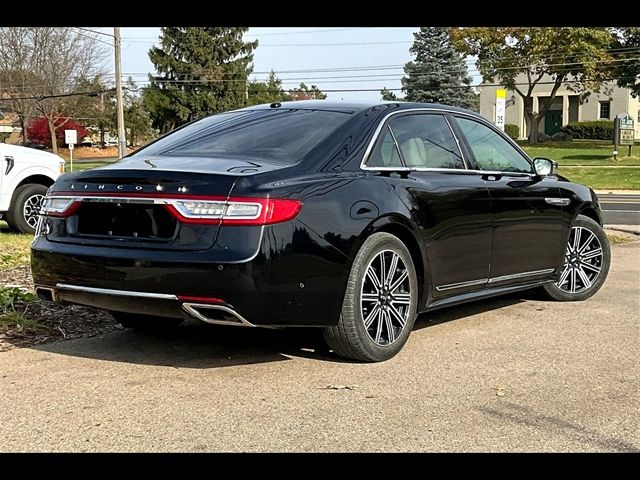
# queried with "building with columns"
point(565, 107)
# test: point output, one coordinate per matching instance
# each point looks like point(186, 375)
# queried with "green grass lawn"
point(85, 166)
point(14, 248)
point(623, 178)
point(584, 152)
point(588, 162)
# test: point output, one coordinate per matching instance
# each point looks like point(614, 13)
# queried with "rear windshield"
point(276, 135)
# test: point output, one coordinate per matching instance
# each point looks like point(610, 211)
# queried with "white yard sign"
point(501, 98)
point(71, 138)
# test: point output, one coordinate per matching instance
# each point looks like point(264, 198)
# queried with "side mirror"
point(544, 166)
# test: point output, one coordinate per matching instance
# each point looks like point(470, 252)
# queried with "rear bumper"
point(293, 286)
point(159, 304)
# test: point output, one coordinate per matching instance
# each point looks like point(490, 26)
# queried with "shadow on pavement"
point(508, 412)
point(198, 345)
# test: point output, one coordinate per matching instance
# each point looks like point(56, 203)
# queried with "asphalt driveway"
point(511, 374)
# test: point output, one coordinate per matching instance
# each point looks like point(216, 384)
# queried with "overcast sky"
point(363, 57)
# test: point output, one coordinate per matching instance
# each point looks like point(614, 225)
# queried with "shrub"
point(512, 130)
point(600, 130)
point(38, 130)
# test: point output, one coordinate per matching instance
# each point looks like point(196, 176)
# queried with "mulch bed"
point(59, 321)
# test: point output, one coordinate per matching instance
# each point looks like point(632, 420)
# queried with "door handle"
point(10, 164)
point(491, 177)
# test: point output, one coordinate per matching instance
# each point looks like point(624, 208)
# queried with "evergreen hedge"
point(512, 130)
point(598, 130)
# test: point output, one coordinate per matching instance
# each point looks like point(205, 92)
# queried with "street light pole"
point(122, 141)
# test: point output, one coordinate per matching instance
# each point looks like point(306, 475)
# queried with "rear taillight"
point(235, 211)
point(59, 206)
point(197, 209)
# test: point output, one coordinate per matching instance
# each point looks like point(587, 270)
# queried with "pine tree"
point(438, 74)
point(267, 92)
point(201, 70)
point(388, 95)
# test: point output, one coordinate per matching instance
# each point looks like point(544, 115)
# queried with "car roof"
point(352, 107)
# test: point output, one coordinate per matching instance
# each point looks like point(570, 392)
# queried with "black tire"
point(350, 338)
point(16, 215)
point(594, 270)
point(145, 323)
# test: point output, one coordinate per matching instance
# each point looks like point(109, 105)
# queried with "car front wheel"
point(380, 303)
point(586, 263)
point(23, 214)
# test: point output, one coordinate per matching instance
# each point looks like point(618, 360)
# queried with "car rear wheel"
point(586, 263)
point(147, 323)
point(380, 303)
point(23, 214)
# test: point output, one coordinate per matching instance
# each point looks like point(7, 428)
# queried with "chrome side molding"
point(562, 202)
point(502, 278)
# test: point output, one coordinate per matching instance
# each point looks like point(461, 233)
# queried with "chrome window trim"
point(376, 134)
point(121, 293)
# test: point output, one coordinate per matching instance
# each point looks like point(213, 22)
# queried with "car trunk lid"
point(128, 204)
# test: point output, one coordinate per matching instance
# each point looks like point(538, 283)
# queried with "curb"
point(623, 229)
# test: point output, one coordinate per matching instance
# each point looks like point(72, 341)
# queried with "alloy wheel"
point(583, 261)
point(31, 209)
point(385, 297)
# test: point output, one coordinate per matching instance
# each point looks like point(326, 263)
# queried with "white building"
point(565, 107)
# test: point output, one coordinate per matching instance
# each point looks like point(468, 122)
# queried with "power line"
point(69, 29)
point(133, 39)
point(95, 31)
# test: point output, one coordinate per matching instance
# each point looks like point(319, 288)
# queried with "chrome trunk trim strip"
point(120, 293)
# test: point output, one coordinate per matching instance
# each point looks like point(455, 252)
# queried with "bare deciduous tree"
point(40, 65)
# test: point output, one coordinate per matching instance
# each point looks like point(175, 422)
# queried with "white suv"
point(25, 176)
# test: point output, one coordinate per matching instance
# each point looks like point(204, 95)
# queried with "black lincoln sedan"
point(349, 217)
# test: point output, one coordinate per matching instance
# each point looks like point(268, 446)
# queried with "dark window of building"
point(605, 111)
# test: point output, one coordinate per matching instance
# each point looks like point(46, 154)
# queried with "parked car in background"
point(349, 217)
point(25, 176)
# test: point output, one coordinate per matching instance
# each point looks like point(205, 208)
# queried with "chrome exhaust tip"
point(216, 314)
point(47, 294)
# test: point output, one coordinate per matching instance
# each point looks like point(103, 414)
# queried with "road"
point(511, 374)
point(620, 209)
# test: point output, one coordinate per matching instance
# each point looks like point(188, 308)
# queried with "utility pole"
point(122, 141)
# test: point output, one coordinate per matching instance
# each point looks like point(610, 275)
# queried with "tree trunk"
point(533, 122)
point(54, 140)
point(101, 136)
point(23, 126)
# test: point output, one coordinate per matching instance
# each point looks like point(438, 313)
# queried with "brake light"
point(59, 206)
point(235, 211)
point(187, 298)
